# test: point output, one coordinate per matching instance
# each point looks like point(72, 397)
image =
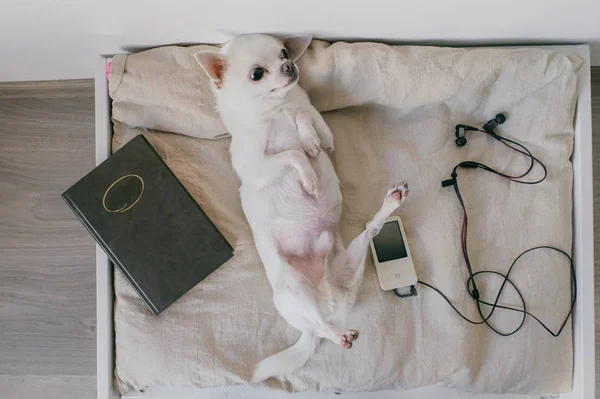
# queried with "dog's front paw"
point(308, 177)
point(310, 183)
point(330, 148)
point(327, 141)
point(311, 145)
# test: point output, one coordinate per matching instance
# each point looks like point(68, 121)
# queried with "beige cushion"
point(392, 111)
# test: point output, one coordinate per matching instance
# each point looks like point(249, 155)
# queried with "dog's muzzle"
point(288, 68)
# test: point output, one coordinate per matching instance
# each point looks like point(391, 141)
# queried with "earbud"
point(491, 125)
point(461, 141)
point(459, 132)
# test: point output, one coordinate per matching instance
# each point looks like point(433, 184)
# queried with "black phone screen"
point(389, 244)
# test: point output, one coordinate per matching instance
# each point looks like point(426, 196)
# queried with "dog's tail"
point(288, 360)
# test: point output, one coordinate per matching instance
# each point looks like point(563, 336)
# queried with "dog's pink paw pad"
point(347, 338)
point(397, 192)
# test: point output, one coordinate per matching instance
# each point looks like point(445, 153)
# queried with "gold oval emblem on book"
point(127, 190)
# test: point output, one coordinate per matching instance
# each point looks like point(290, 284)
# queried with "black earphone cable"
point(471, 283)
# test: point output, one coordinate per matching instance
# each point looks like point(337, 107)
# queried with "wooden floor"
point(47, 275)
point(47, 292)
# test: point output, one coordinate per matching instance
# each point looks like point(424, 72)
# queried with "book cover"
point(148, 224)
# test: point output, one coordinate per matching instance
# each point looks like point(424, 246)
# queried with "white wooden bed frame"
point(583, 256)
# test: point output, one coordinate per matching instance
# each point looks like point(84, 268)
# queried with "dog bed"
point(392, 110)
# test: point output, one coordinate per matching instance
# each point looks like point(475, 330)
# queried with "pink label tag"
point(108, 68)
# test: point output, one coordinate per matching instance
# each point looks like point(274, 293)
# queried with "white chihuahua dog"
point(290, 192)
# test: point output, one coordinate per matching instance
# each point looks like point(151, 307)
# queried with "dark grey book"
point(148, 224)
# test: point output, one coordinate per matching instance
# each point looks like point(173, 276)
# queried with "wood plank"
point(47, 270)
point(48, 89)
point(48, 387)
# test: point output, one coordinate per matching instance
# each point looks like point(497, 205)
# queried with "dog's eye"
point(285, 54)
point(257, 74)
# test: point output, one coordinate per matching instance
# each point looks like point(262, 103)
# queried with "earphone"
point(461, 141)
point(460, 130)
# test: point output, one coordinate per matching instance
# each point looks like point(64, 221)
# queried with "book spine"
point(108, 252)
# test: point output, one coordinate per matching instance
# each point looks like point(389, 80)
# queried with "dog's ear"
point(213, 63)
point(296, 46)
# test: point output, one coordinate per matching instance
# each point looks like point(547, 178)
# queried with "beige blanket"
point(392, 111)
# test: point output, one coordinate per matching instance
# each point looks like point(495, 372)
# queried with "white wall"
point(60, 39)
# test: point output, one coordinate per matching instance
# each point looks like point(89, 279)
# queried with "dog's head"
point(260, 66)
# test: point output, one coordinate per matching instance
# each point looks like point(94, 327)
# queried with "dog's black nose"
point(287, 67)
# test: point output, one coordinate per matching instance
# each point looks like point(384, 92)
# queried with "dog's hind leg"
point(350, 266)
point(296, 302)
point(301, 299)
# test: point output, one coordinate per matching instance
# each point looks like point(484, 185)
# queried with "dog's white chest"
point(283, 132)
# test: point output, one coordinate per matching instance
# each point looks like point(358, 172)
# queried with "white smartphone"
point(393, 262)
